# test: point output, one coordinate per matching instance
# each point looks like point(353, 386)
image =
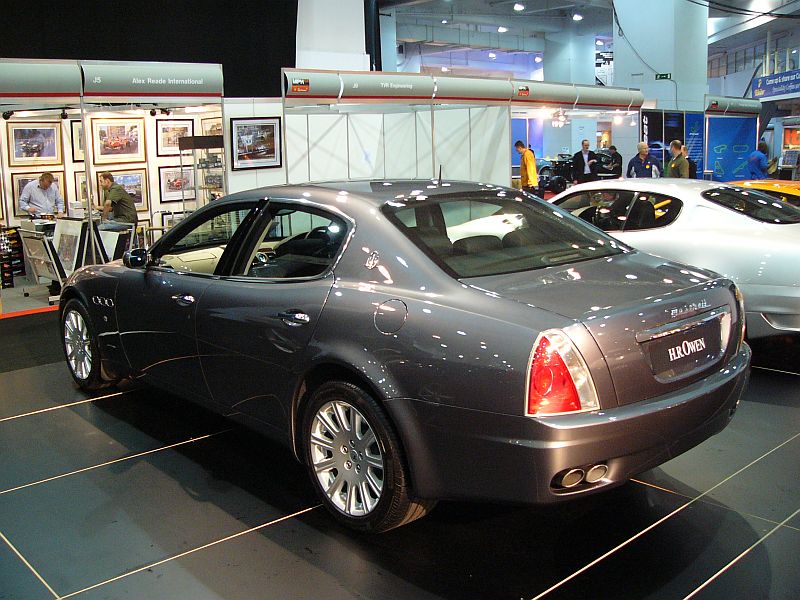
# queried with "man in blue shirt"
point(757, 163)
point(41, 196)
point(643, 165)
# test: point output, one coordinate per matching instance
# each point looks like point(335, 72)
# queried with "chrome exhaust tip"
point(572, 478)
point(596, 473)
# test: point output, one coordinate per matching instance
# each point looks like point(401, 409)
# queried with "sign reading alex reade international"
point(780, 84)
point(152, 79)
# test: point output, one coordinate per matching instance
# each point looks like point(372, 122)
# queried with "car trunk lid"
point(658, 324)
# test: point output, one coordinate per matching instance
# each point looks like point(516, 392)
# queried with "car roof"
point(374, 193)
point(778, 185)
point(664, 185)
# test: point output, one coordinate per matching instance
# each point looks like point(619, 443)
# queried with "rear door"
point(253, 326)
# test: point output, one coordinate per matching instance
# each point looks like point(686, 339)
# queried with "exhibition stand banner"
point(327, 86)
point(33, 83)
point(142, 80)
point(777, 86)
point(730, 142)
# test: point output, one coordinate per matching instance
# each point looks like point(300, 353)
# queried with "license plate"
point(685, 351)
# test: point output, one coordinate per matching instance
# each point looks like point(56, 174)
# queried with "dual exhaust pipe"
point(578, 475)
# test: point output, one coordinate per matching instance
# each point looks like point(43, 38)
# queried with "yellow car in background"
point(787, 191)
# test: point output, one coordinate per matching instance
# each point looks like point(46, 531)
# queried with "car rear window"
point(754, 204)
point(791, 198)
point(476, 235)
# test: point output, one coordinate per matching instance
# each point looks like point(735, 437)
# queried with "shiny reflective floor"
point(134, 493)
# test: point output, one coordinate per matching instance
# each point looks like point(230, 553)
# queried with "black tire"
point(82, 350)
point(546, 172)
point(558, 184)
point(329, 407)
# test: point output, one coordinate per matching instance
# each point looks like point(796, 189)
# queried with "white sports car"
point(746, 235)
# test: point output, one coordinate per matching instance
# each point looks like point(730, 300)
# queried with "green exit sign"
point(663, 76)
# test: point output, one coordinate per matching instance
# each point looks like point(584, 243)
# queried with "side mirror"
point(135, 259)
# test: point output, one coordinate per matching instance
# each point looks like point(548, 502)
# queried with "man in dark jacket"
point(615, 168)
point(584, 164)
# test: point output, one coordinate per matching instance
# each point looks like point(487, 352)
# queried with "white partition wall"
point(424, 135)
point(400, 144)
point(242, 108)
point(365, 146)
point(490, 144)
point(452, 143)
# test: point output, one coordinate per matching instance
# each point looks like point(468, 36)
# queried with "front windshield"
point(754, 204)
point(477, 234)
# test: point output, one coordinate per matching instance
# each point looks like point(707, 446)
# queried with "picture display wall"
point(139, 150)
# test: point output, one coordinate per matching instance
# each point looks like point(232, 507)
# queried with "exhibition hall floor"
point(134, 493)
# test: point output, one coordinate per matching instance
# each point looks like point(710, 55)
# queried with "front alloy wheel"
point(77, 345)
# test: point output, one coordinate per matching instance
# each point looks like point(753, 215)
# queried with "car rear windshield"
point(475, 235)
point(754, 204)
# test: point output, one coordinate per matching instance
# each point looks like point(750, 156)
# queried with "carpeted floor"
point(29, 341)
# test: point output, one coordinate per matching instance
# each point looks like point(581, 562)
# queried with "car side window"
point(297, 242)
point(665, 210)
point(575, 202)
point(200, 249)
point(610, 209)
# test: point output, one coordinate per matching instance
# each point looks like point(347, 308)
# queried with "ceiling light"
point(518, 7)
point(794, 51)
point(502, 29)
point(537, 59)
point(445, 69)
point(598, 42)
point(492, 55)
point(617, 119)
point(444, 21)
point(633, 122)
point(577, 17)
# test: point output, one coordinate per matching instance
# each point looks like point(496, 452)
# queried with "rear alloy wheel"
point(80, 346)
point(355, 460)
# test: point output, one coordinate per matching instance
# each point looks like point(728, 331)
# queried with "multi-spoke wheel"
point(355, 460)
point(80, 346)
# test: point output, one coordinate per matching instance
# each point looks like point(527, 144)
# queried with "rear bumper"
point(458, 453)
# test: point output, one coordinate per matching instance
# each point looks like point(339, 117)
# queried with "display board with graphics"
point(694, 137)
point(779, 84)
point(730, 142)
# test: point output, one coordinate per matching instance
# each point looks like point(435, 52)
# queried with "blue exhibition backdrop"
point(730, 142)
point(694, 137)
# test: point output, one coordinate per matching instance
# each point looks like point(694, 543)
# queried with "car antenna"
point(440, 173)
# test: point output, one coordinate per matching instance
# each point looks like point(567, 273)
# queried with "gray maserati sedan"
point(420, 340)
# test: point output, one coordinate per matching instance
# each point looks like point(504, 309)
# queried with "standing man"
point(584, 164)
point(643, 165)
point(678, 166)
point(692, 162)
point(757, 163)
point(41, 197)
point(529, 176)
point(616, 162)
point(116, 199)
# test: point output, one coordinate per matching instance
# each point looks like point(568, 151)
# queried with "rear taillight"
point(559, 380)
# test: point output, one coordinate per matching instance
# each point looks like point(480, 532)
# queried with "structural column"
point(663, 37)
point(330, 35)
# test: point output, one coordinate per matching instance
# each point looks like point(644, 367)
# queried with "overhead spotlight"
point(519, 7)
point(64, 114)
point(633, 122)
point(617, 120)
point(445, 69)
point(492, 55)
point(444, 21)
point(577, 17)
point(502, 29)
point(153, 112)
point(8, 114)
point(166, 111)
point(598, 42)
point(537, 59)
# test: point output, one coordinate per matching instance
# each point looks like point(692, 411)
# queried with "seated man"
point(116, 199)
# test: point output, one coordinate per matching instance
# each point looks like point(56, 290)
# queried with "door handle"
point(295, 318)
point(183, 299)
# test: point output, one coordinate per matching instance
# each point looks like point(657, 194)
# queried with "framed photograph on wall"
point(170, 219)
point(212, 126)
point(256, 143)
point(34, 144)
point(20, 180)
point(135, 183)
point(76, 138)
point(118, 140)
point(176, 184)
point(81, 189)
point(169, 131)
